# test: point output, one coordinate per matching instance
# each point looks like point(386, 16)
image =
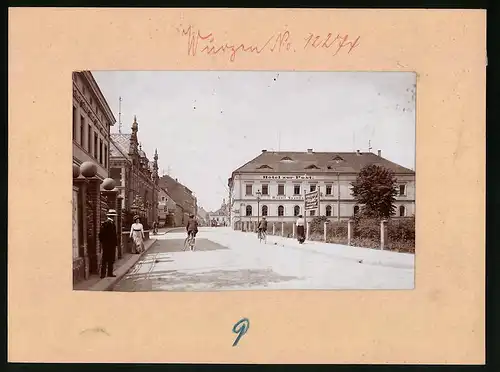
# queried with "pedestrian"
point(262, 225)
point(155, 228)
point(137, 234)
point(108, 239)
point(301, 237)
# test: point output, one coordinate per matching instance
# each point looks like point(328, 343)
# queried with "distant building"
point(274, 182)
point(203, 216)
point(183, 197)
point(220, 217)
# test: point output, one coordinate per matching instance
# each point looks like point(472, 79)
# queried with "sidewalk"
point(121, 267)
point(365, 255)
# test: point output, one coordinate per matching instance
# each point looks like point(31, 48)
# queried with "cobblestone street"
point(231, 260)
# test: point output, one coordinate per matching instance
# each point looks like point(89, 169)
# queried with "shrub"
point(367, 228)
point(317, 224)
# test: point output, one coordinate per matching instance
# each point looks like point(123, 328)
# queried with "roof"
point(177, 191)
point(120, 143)
point(317, 162)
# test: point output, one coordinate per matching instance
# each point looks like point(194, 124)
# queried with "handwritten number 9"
point(240, 328)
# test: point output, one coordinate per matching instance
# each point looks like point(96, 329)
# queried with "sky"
point(206, 124)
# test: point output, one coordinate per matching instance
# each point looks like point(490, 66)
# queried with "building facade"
point(135, 175)
point(273, 185)
point(221, 216)
point(183, 197)
point(92, 119)
point(166, 209)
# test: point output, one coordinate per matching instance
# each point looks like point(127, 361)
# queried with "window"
point(402, 211)
point(265, 190)
point(281, 189)
point(101, 160)
point(312, 188)
point(82, 134)
point(312, 166)
point(296, 190)
point(312, 213)
point(296, 210)
point(248, 210)
point(328, 189)
point(402, 190)
point(74, 123)
point(356, 210)
point(105, 156)
point(91, 102)
point(264, 210)
point(328, 210)
point(89, 139)
point(162, 198)
point(248, 189)
point(281, 211)
point(95, 145)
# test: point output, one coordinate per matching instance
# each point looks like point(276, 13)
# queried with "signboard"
point(312, 200)
point(287, 177)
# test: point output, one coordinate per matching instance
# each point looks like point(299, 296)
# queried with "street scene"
point(227, 180)
point(228, 260)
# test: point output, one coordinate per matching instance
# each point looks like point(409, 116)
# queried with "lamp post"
point(258, 205)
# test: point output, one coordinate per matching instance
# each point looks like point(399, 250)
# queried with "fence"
point(393, 234)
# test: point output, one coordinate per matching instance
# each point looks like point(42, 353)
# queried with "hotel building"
point(273, 185)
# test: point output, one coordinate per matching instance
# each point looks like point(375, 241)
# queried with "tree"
point(375, 190)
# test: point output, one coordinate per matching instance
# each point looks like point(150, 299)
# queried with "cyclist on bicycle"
point(192, 226)
point(262, 226)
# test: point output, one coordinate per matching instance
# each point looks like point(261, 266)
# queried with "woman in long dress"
point(137, 235)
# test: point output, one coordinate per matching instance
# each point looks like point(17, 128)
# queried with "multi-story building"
point(220, 216)
point(166, 209)
point(136, 177)
point(273, 185)
point(92, 120)
point(182, 196)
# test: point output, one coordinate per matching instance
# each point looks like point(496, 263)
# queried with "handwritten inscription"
point(206, 43)
point(240, 328)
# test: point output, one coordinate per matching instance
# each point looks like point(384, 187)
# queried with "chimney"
point(264, 150)
point(309, 151)
point(380, 153)
point(358, 152)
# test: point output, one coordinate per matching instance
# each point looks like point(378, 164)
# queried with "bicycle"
point(189, 242)
point(262, 235)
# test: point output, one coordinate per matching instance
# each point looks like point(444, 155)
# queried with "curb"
point(126, 268)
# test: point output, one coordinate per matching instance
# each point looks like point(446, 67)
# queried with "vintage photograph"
point(243, 180)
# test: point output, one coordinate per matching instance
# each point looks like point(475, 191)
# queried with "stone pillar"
point(307, 230)
point(383, 234)
point(282, 228)
point(324, 230)
point(274, 228)
point(349, 232)
point(93, 224)
point(294, 230)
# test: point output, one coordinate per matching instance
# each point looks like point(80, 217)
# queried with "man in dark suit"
point(108, 239)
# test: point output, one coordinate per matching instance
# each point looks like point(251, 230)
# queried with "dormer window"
point(338, 159)
point(286, 158)
point(312, 166)
point(264, 166)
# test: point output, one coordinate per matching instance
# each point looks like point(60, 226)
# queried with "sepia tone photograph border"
point(356, 208)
